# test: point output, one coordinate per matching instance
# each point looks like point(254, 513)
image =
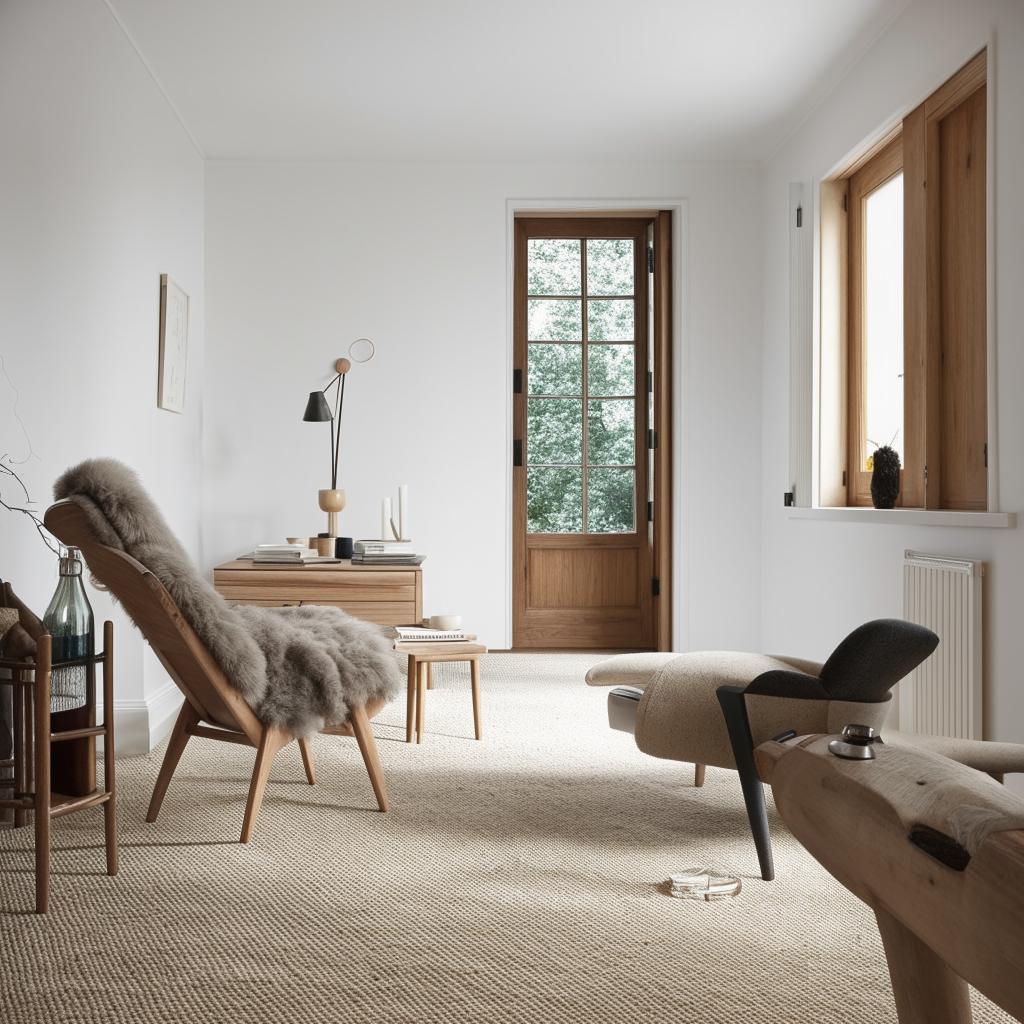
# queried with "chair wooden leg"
point(421, 678)
point(41, 783)
point(474, 675)
point(410, 700)
point(368, 748)
point(430, 676)
point(698, 775)
point(180, 736)
point(272, 740)
point(307, 760)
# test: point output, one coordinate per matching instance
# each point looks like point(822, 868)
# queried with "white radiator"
point(943, 697)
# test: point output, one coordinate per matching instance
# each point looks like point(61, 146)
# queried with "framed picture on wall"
point(173, 345)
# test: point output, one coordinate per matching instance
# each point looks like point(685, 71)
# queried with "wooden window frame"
point(945, 295)
point(881, 168)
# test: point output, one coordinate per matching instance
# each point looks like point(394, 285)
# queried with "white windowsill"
point(907, 517)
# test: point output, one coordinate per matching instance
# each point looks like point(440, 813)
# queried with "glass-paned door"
point(582, 548)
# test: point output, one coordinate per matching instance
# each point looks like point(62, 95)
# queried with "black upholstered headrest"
point(864, 667)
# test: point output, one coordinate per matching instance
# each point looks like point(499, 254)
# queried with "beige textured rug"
point(515, 879)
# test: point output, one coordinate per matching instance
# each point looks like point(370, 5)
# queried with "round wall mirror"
point(361, 350)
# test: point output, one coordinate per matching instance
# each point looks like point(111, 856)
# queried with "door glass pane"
point(554, 320)
point(611, 432)
point(553, 266)
point(610, 320)
point(611, 503)
point(555, 369)
point(554, 500)
point(883, 317)
point(610, 266)
point(610, 370)
point(554, 428)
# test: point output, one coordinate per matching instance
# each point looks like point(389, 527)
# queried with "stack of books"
point(423, 634)
point(385, 552)
point(283, 554)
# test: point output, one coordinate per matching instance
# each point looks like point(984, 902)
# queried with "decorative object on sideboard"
point(318, 410)
point(885, 477)
point(174, 310)
point(390, 527)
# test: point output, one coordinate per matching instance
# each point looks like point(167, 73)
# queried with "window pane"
point(611, 430)
point(610, 501)
point(883, 317)
point(553, 266)
point(554, 320)
point(555, 369)
point(610, 266)
point(554, 500)
point(610, 370)
point(554, 430)
point(610, 320)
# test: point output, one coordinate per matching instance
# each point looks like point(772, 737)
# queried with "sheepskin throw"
point(300, 668)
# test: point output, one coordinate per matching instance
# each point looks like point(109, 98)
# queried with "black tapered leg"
point(734, 709)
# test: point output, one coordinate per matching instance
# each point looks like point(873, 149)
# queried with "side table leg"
point(421, 683)
point(430, 675)
point(474, 674)
point(410, 699)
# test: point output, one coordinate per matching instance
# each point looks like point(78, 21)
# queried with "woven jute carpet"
point(515, 879)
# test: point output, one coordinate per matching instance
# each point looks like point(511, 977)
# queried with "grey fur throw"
point(300, 668)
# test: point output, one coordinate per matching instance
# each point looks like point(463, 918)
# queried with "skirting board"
point(141, 725)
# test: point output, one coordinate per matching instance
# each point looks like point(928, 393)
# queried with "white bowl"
point(445, 621)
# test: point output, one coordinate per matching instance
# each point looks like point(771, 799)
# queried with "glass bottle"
point(69, 621)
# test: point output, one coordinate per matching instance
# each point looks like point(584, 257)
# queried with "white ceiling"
point(490, 80)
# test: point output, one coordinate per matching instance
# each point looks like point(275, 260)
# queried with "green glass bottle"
point(69, 621)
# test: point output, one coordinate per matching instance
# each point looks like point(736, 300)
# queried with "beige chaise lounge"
point(714, 707)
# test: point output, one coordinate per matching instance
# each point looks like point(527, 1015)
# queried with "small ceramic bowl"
point(445, 621)
point(298, 540)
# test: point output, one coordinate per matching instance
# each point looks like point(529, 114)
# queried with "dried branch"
point(7, 470)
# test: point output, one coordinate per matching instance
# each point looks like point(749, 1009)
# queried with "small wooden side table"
point(421, 657)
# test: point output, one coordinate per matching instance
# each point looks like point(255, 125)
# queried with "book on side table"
point(385, 552)
point(423, 634)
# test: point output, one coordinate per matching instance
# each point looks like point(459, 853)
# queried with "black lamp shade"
point(317, 409)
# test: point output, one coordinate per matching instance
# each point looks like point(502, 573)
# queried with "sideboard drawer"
point(388, 597)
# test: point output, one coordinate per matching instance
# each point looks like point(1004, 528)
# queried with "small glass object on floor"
point(69, 620)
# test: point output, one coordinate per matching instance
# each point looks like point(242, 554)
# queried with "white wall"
point(820, 579)
point(302, 257)
point(100, 191)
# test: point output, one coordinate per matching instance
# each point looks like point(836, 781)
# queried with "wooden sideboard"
point(390, 595)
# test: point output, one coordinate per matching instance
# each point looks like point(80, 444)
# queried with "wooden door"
point(582, 542)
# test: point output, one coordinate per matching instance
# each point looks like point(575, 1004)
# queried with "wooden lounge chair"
point(213, 708)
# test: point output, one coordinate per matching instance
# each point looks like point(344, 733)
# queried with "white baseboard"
point(141, 725)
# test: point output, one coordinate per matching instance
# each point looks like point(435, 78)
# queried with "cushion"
point(874, 658)
point(635, 669)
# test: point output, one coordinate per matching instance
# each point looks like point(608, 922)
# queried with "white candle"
point(403, 511)
point(385, 520)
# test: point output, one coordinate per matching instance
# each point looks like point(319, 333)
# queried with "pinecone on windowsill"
point(885, 477)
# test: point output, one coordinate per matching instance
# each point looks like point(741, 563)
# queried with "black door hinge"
point(517, 452)
point(650, 261)
point(652, 439)
point(986, 454)
point(655, 586)
point(789, 499)
point(650, 511)
point(799, 216)
point(844, 203)
point(650, 382)
point(517, 381)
